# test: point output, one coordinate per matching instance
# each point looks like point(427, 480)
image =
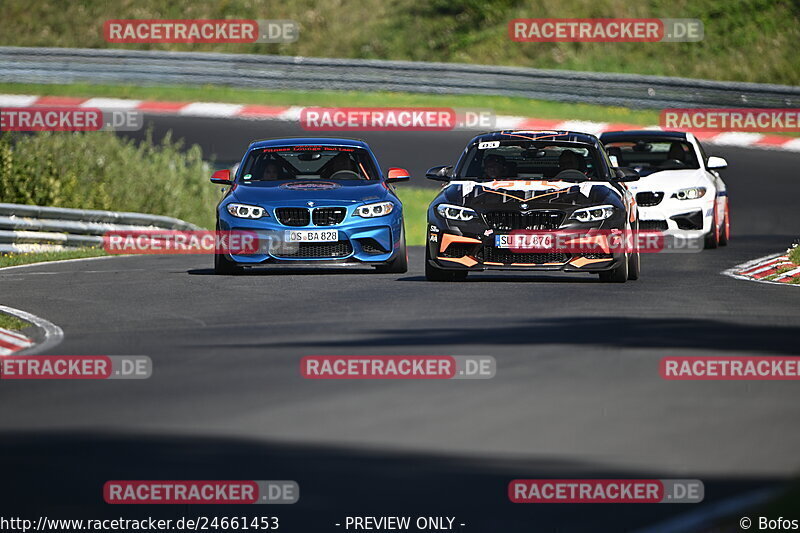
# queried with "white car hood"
point(669, 181)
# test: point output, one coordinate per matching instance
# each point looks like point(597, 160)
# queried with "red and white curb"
point(763, 267)
point(292, 114)
point(12, 342)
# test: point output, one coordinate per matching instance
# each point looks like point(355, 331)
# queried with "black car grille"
point(293, 216)
point(647, 199)
point(371, 246)
point(459, 250)
point(653, 225)
point(328, 216)
point(301, 216)
point(502, 255)
point(319, 250)
point(533, 220)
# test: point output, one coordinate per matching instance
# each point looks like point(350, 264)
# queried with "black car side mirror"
point(442, 173)
point(625, 174)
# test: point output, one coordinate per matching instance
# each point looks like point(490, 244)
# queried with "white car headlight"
point(246, 211)
point(456, 212)
point(692, 193)
point(593, 214)
point(374, 210)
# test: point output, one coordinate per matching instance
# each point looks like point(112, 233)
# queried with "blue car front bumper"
point(367, 240)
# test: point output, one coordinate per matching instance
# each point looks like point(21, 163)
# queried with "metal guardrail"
point(141, 67)
point(31, 228)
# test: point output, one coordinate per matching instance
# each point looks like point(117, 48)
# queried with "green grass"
point(98, 170)
point(747, 40)
point(501, 105)
point(12, 322)
point(40, 257)
point(794, 255)
point(415, 208)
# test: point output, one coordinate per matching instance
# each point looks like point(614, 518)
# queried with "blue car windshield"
point(280, 163)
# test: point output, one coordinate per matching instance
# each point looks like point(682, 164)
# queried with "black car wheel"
point(634, 266)
point(224, 266)
point(437, 274)
point(398, 265)
point(616, 275)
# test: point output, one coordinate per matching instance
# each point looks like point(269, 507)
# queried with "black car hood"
point(507, 195)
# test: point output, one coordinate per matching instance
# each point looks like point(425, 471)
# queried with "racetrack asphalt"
point(577, 391)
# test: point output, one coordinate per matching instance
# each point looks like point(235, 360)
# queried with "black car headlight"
point(246, 211)
point(456, 212)
point(593, 214)
point(374, 210)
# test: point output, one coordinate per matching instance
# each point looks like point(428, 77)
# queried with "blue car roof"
point(309, 141)
point(611, 136)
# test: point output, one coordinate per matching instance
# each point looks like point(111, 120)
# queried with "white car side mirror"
point(716, 163)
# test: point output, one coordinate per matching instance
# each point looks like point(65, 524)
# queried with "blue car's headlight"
point(246, 211)
point(456, 212)
point(374, 210)
point(593, 214)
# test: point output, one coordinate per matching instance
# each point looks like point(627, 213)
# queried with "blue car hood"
point(297, 192)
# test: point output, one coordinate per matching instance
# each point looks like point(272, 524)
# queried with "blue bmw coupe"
point(313, 201)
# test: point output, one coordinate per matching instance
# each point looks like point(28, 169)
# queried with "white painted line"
point(17, 100)
point(53, 334)
point(12, 333)
point(789, 274)
point(734, 272)
point(14, 341)
point(793, 145)
point(292, 114)
point(735, 138)
point(699, 520)
point(111, 103)
point(769, 266)
point(507, 122)
point(40, 263)
point(210, 109)
point(595, 128)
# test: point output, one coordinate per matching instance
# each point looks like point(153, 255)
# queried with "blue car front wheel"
point(398, 265)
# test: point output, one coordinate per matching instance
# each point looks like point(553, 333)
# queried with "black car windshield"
point(278, 163)
point(530, 160)
point(652, 155)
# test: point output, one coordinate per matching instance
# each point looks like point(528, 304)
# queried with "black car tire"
point(712, 237)
point(398, 265)
point(634, 266)
point(437, 274)
point(224, 266)
point(616, 275)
